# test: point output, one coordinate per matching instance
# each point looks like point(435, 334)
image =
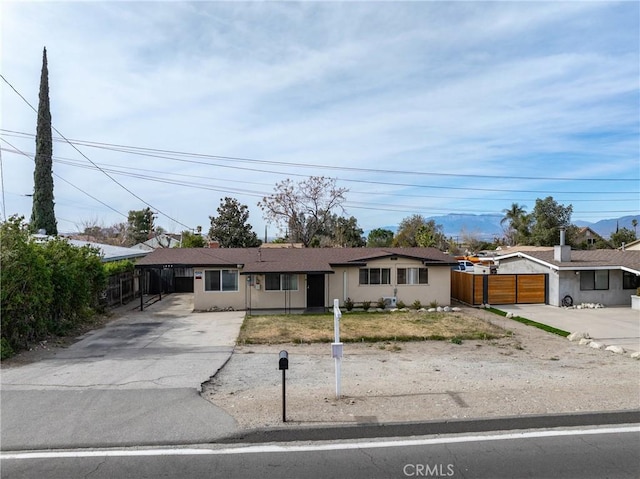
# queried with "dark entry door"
point(315, 291)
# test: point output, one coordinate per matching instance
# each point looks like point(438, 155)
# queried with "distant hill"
point(487, 226)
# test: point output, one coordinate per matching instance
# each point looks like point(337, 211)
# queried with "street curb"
point(454, 426)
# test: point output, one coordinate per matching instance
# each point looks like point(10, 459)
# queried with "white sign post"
point(336, 346)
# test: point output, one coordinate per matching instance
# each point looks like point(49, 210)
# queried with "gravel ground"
point(532, 372)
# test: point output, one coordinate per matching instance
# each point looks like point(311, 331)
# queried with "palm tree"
point(634, 223)
point(517, 221)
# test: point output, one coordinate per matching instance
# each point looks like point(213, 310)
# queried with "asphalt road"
point(574, 453)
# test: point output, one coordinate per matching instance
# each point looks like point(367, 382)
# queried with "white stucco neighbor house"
point(604, 276)
point(301, 278)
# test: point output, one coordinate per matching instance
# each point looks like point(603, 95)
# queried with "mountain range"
point(488, 226)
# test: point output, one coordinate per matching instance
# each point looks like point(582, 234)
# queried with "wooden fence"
point(477, 289)
point(121, 288)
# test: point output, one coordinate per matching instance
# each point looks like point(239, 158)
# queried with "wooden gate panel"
point(502, 289)
point(531, 288)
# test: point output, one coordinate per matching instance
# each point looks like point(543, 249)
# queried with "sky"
point(415, 107)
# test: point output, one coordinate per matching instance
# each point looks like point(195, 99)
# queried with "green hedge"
point(45, 288)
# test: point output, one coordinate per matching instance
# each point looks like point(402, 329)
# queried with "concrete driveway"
point(613, 325)
point(136, 381)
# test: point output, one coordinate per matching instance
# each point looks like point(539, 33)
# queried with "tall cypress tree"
point(42, 215)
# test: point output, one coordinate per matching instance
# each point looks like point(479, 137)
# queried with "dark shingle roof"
point(584, 259)
point(287, 260)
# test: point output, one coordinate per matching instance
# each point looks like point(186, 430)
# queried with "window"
point(280, 282)
point(630, 280)
point(413, 276)
point(375, 276)
point(221, 280)
point(590, 280)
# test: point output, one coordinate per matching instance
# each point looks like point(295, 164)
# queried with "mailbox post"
point(283, 365)
point(336, 346)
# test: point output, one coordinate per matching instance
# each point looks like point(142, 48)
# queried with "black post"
point(283, 365)
point(284, 397)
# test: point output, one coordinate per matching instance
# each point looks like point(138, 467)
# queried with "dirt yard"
point(532, 372)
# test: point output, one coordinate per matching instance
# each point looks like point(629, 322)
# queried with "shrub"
point(348, 304)
point(416, 304)
point(6, 350)
point(46, 288)
point(400, 304)
point(118, 267)
point(381, 304)
point(433, 304)
point(366, 305)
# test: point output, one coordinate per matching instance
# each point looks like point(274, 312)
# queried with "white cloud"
point(527, 89)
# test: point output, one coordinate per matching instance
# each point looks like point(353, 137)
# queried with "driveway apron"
point(136, 381)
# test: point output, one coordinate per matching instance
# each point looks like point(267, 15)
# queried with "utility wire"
point(91, 161)
point(134, 149)
point(209, 187)
point(66, 181)
point(370, 182)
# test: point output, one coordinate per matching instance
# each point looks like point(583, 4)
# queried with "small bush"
point(6, 351)
point(433, 304)
point(417, 304)
point(348, 304)
point(381, 304)
point(400, 304)
point(456, 340)
point(366, 305)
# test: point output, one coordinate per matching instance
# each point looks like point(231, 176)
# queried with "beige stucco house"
point(301, 278)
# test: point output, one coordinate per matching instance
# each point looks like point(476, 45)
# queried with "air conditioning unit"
point(389, 301)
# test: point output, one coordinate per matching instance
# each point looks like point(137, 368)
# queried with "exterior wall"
point(614, 296)
point(251, 292)
point(438, 287)
point(204, 300)
point(259, 298)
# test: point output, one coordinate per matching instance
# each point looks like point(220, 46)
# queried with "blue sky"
point(510, 96)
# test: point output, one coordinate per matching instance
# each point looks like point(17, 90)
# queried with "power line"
point(354, 204)
point(370, 182)
point(134, 149)
point(118, 169)
point(66, 181)
point(91, 161)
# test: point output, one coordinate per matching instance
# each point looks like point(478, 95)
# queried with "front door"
point(315, 291)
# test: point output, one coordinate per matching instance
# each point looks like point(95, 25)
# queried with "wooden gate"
point(477, 289)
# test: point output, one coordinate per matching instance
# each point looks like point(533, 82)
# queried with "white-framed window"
point(280, 282)
point(412, 276)
point(590, 280)
point(221, 280)
point(375, 276)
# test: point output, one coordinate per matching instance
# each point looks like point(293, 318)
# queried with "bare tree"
point(303, 209)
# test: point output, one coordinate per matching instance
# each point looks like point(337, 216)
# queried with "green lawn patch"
point(535, 324)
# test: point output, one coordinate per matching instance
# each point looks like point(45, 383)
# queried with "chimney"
point(562, 252)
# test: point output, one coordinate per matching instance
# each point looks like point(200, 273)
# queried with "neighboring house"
point(633, 246)
point(112, 253)
point(107, 251)
point(162, 240)
point(299, 279)
point(609, 277)
point(586, 238)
